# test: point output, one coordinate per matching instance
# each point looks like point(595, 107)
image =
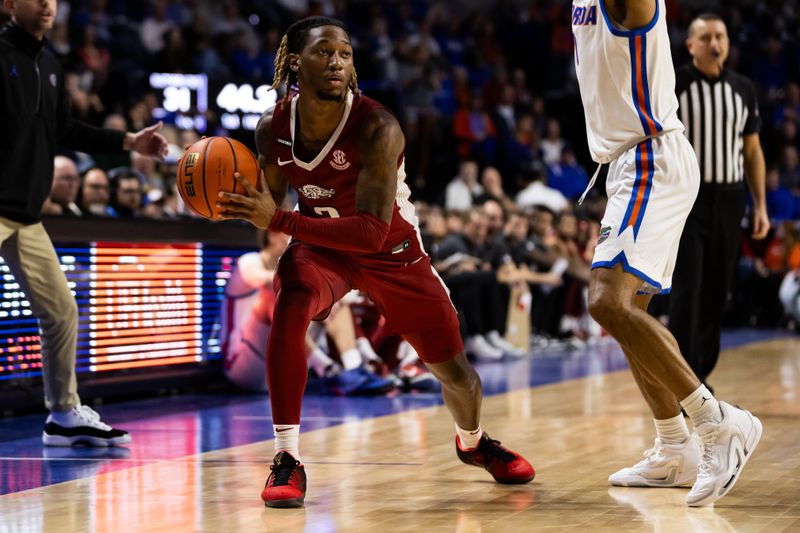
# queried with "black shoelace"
point(283, 472)
point(492, 449)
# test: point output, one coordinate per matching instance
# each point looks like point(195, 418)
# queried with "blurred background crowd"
point(496, 150)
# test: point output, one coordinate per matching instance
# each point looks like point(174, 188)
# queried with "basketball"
point(207, 168)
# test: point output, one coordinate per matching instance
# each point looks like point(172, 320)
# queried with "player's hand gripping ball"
point(207, 168)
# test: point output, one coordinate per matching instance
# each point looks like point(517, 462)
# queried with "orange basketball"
point(207, 168)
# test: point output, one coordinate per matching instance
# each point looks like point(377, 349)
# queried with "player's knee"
point(471, 381)
point(300, 289)
point(462, 378)
point(605, 306)
point(298, 300)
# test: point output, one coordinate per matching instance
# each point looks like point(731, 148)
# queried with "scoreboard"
point(140, 306)
point(187, 99)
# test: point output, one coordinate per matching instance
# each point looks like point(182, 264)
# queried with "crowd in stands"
point(486, 93)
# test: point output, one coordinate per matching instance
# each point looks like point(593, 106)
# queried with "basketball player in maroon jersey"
point(355, 228)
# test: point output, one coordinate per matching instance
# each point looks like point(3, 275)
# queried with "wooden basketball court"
point(400, 472)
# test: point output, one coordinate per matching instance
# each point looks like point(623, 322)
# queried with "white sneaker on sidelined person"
point(664, 465)
point(726, 448)
point(81, 425)
point(480, 348)
point(495, 339)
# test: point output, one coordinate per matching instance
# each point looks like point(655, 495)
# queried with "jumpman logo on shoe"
point(704, 401)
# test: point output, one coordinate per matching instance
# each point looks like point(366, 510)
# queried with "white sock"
point(468, 438)
point(287, 439)
point(351, 359)
point(701, 406)
point(366, 349)
point(65, 418)
point(672, 430)
point(319, 361)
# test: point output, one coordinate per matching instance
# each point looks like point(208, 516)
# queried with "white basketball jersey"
point(626, 78)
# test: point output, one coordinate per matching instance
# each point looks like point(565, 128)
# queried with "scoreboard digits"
point(185, 99)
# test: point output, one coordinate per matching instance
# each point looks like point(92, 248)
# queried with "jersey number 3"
point(330, 212)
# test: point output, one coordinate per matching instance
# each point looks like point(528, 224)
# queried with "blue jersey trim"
point(621, 259)
point(639, 63)
point(648, 187)
point(628, 33)
point(642, 171)
point(626, 220)
point(646, 85)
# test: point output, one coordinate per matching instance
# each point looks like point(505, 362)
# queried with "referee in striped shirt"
point(719, 109)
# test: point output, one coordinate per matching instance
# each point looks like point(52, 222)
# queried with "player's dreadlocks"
point(293, 42)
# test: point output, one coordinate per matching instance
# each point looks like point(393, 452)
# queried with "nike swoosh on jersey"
point(281, 163)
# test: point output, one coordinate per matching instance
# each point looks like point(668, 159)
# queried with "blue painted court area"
point(180, 426)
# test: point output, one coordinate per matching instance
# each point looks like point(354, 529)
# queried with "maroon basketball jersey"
point(326, 186)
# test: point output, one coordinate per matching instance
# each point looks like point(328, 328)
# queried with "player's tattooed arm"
point(380, 145)
point(278, 186)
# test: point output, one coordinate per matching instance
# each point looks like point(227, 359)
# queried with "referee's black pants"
point(703, 273)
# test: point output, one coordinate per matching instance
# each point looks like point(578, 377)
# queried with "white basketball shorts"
point(651, 190)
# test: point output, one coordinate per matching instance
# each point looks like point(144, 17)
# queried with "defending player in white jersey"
point(627, 82)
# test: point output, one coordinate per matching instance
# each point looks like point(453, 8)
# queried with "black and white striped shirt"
point(717, 114)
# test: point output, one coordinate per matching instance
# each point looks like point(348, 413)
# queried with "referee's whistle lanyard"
point(591, 183)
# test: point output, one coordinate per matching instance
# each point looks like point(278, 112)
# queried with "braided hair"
point(293, 42)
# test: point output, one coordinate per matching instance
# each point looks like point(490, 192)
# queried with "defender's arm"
point(631, 14)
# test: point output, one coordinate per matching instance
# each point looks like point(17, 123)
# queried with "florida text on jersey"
point(627, 79)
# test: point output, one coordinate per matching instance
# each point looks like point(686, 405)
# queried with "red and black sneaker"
point(504, 465)
point(286, 484)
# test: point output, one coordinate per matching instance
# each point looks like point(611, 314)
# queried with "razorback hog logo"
point(312, 192)
point(339, 161)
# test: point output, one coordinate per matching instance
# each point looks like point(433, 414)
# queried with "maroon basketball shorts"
point(409, 294)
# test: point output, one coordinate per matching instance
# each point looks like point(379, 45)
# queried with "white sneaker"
point(497, 340)
point(479, 347)
point(81, 425)
point(726, 447)
point(664, 465)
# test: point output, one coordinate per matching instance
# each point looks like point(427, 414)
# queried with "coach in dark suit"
point(35, 119)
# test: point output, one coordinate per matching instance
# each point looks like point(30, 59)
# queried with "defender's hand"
point(258, 207)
